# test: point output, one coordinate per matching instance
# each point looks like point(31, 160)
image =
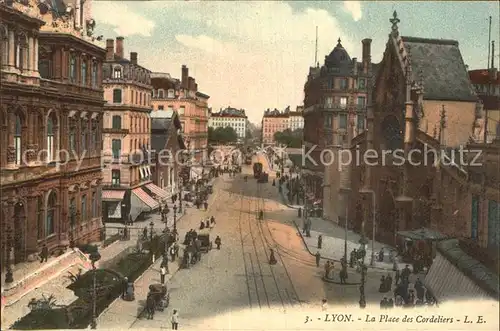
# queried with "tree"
point(289, 138)
point(222, 135)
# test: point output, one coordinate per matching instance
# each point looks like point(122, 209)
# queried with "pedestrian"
point(324, 305)
point(272, 258)
point(44, 254)
point(173, 253)
point(207, 223)
point(397, 277)
point(318, 258)
point(173, 199)
point(320, 241)
point(145, 233)
point(124, 286)
point(202, 225)
point(218, 242)
point(205, 204)
point(175, 320)
point(163, 273)
point(150, 306)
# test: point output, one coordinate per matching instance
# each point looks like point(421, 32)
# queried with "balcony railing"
point(114, 130)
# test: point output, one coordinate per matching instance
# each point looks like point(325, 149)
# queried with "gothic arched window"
point(391, 131)
point(18, 138)
point(50, 137)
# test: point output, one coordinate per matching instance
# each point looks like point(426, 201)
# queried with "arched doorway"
point(19, 230)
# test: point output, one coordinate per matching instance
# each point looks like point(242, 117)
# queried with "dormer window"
point(171, 93)
point(117, 73)
point(161, 93)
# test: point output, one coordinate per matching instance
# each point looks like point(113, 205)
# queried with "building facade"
point(128, 190)
point(232, 117)
point(51, 115)
point(296, 119)
point(167, 144)
point(190, 104)
point(427, 119)
point(487, 85)
point(273, 121)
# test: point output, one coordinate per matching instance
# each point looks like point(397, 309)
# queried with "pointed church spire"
point(339, 43)
point(395, 20)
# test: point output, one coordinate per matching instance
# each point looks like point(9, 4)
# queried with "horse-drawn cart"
point(204, 241)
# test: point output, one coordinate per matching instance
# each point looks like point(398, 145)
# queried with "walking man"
point(320, 241)
point(318, 258)
point(175, 320)
point(163, 273)
point(218, 242)
point(44, 255)
point(205, 204)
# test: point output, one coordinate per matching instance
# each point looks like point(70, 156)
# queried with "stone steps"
point(11, 293)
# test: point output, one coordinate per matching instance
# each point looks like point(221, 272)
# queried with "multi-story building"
point(232, 117)
point(167, 144)
point(487, 85)
point(273, 121)
point(51, 115)
point(128, 188)
point(190, 104)
point(334, 112)
point(296, 119)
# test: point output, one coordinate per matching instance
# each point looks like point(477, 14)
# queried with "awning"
point(422, 234)
point(113, 195)
point(145, 198)
point(157, 191)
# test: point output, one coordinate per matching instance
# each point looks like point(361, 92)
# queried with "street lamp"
point(175, 219)
point(9, 277)
point(368, 191)
point(362, 298)
point(94, 257)
point(151, 226)
point(180, 196)
point(346, 192)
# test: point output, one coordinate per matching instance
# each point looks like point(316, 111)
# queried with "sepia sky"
point(256, 55)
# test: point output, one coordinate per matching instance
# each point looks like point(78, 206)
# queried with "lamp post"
point(175, 219)
point(9, 277)
point(368, 191)
point(346, 192)
point(362, 298)
point(94, 257)
point(151, 227)
point(180, 196)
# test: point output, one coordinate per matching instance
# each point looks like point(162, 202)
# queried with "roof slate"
point(443, 69)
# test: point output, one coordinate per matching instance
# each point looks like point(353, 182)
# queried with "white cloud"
point(125, 22)
point(205, 43)
point(354, 8)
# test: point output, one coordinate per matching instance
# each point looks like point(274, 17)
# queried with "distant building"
point(235, 118)
point(274, 121)
point(296, 119)
point(127, 174)
point(190, 104)
point(487, 85)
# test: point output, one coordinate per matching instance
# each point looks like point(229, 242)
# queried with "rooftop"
point(230, 112)
point(482, 76)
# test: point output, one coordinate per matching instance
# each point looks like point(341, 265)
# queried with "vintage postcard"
point(249, 165)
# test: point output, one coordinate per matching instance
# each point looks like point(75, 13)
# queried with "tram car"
point(257, 169)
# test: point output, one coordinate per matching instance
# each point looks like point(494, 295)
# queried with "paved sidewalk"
point(284, 195)
point(334, 241)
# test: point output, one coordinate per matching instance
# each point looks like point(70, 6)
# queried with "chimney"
point(190, 84)
point(196, 87)
point(133, 57)
point(119, 46)
point(367, 49)
point(110, 49)
point(184, 77)
point(355, 62)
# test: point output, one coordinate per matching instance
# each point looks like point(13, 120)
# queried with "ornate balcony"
point(67, 88)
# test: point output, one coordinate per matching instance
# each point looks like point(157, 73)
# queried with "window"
point(50, 138)
point(94, 205)
point(361, 83)
point(170, 108)
point(343, 121)
point(72, 68)
point(361, 102)
point(328, 102)
point(116, 147)
point(136, 97)
point(94, 74)
point(161, 107)
point(72, 212)
point(115, 177)
point(117, 122)
point(161, 93)
point(117, 95)
point(84, 134)
point(343, 83)
point(44, 63)
point(140, 98)
point(40, 215)
point(330, 83)
point(22, 52)
point(84, 72)
point(51, 212)
point(72, 135)
point(84, 208)
point(361, 123)
point(170, 93)
point(343, 102)
point(93, 137)
point(17, 139)
point(328, 120)
point(117, 73)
